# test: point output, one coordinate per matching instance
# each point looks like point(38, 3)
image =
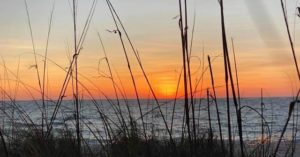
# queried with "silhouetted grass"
point(124, 136)
point(64, 144)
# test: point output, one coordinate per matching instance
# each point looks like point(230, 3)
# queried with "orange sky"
point(263, 55)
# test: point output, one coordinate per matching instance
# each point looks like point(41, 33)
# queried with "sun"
point(167, 90)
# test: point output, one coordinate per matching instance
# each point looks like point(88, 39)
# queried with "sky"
point(264, 58)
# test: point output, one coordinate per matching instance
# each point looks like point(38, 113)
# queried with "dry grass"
point(124, 136)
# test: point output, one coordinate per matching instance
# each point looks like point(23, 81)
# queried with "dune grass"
point(126, 135)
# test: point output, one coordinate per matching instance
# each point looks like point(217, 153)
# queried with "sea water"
point(156, 115)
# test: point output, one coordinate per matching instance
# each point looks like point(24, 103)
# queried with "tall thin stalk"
point(262, 105)
point(129, 67)
point(295, 129)
point(216, 102)
point(175, 100)
point(70, 68)
point(183, 31)
point(45, 116)
point(284, 11)
point(208, 114)
point(34, 52)
point(136, 54)
point(188, 59)
point(236, 73)
point(114, 87)
point(229, 74)
point(76, 78)
point(225, 50)
point(291, 110)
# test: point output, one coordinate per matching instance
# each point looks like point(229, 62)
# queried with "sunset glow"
point(263, 57)
point(149, 78)
point(168, 90)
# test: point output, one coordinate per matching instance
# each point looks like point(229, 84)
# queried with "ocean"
point(93, 113)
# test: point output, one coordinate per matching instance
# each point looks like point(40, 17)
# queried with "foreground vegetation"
point(65, 145)
point(125, 137)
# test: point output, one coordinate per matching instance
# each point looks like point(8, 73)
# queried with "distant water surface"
point(275, 111)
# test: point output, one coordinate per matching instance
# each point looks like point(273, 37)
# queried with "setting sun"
point(167, 90)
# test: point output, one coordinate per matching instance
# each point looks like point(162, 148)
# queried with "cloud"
point(266, 28)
